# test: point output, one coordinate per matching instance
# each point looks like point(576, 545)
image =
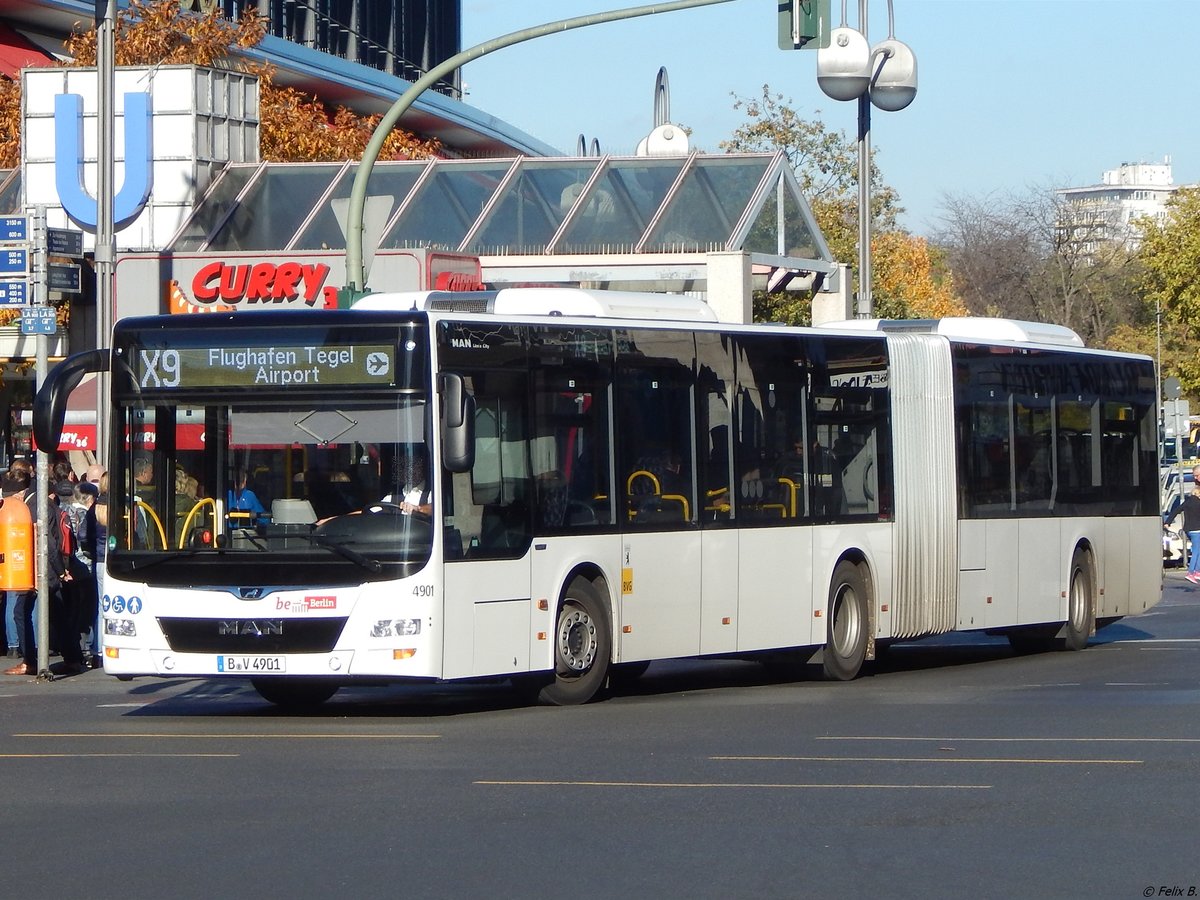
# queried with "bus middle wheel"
point(848, 624)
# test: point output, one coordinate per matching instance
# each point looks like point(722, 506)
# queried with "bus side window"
point(491, 503)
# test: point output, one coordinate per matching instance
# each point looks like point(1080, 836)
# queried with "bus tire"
point(295, 693)
point(847, 624)
point(582, 647)
point(1080, 590)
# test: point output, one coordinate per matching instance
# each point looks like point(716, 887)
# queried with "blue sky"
point(1013, 96)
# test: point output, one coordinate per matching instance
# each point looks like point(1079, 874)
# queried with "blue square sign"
point(14, 293)
point(38, 320)
point(14, 228)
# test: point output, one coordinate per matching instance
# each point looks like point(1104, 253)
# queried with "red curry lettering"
point(262, 282)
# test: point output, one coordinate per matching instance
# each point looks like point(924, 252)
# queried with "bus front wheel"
point(848, 624)
point(582, 647)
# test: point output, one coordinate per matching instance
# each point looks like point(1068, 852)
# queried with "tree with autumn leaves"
point(909, 277)
point(293, 126)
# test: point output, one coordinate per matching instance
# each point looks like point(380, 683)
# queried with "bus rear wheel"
point(1079, 602)
point(582, 647)
point(848, 624)
point(295, 693)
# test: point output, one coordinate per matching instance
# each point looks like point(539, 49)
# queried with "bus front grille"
point(252, 636)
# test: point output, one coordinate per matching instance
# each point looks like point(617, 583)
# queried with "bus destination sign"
point(216, 367)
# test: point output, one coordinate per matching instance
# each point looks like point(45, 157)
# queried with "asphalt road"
point(953, 769)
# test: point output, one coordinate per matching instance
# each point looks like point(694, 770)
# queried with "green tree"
point(1170, 258)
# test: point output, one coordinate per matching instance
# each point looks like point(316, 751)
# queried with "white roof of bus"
point(977, 328)
point(556, 301)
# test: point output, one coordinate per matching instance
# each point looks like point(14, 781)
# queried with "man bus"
point(611, 479)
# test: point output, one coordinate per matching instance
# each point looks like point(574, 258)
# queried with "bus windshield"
point(227, 452)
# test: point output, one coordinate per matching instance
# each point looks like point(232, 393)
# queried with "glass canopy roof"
point(10, 192)
point(520, 206)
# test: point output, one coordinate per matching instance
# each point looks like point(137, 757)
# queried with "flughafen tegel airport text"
point(215, 366)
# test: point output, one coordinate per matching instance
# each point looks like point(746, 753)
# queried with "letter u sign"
point(68, 161)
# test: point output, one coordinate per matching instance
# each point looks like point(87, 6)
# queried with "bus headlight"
point(408, 626)
point(396, 628)
point(120, 627)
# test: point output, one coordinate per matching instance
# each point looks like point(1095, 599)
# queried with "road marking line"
point(227, 736)
point(1015, 740)
point(1136, 683)
point(930, 759)
point(119, 755)
point(683, 784)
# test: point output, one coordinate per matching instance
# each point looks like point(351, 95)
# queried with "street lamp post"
point(886, 76)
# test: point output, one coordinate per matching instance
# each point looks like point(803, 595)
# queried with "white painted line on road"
point(1053, 684)
point(119, 755)
point(931, 759)
point(688, 784)
point(121, 705)
point(224, 737)
point(1014, 740)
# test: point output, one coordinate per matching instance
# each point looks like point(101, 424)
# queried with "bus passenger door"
point(486, 536)
point(657, 483)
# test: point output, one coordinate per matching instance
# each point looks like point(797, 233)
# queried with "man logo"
point(254, 627)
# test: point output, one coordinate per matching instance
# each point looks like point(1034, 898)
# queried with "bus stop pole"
point(356, 276)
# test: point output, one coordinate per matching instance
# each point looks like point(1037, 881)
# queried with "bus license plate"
point(250, 664)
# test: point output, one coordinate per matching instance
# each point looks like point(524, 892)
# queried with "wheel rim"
point(846, 621)
point(577, 641)
point(1079, 601)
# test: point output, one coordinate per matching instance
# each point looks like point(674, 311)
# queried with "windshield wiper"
point(365, 562)
point(163, 556)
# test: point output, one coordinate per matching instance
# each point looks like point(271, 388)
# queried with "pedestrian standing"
point(1190, 510)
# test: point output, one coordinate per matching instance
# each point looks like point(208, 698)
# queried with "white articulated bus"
point(546, 485)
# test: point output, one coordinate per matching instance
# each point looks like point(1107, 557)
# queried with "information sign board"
point(14, 229)
point(14, 293)
point(64, 242)
point(63, 277)
point(38, 320)
point(14, 261)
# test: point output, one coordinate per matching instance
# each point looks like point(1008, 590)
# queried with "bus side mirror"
point(458, 424)
point(50, 404)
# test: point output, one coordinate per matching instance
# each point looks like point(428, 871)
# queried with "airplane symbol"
point(377, 364)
